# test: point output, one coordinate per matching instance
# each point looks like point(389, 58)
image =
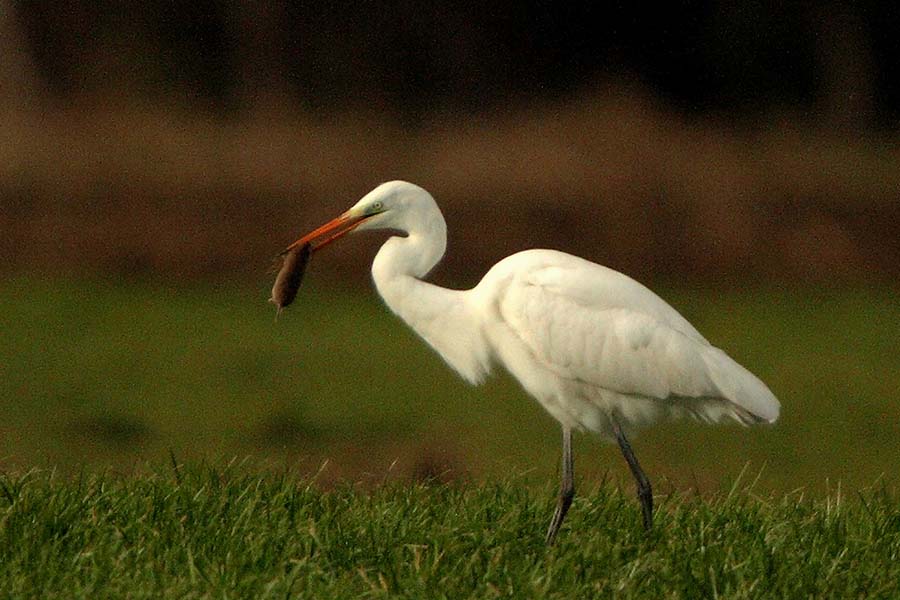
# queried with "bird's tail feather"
point(752, 399)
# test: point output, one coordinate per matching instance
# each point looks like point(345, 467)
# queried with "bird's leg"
point(566, 487)
point(644, 491)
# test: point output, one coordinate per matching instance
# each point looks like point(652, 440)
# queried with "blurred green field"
point(95, 374)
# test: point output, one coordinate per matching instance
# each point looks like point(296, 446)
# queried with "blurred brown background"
point(741, 141)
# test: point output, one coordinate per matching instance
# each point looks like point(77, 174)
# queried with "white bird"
point(597, 349)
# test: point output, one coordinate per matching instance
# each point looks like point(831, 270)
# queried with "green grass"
point(222, 532)
point(96, 375)
point(98, 380)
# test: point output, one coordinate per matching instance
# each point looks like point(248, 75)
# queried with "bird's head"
point(395, 205)
point(392, 205)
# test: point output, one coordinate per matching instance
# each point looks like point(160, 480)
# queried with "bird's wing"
point(594, 286)
point(592, 324)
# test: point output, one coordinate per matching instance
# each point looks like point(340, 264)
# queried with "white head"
point(395, 205)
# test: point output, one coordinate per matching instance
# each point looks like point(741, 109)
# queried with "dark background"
point(743, 159)
point(413, 59)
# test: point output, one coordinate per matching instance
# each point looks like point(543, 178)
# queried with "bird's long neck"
point(442, 317)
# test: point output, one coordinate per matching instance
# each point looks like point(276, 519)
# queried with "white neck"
point(442, 317)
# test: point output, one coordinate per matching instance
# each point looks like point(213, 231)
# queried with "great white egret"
point(597, 349)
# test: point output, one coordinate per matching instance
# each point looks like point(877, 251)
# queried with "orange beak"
point(327, 233)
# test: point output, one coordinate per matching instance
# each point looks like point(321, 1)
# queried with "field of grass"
point(95, 375)
point(220, 532)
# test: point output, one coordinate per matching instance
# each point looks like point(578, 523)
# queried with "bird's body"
point(597, 349)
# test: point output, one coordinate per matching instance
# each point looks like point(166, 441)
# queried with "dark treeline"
point(411, 58)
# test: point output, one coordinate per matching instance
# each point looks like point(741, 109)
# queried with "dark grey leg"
point(644, 491)
point(566, 487)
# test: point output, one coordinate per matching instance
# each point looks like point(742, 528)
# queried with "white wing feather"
point(589, 324)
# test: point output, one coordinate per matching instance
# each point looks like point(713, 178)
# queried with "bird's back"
point(585, 284)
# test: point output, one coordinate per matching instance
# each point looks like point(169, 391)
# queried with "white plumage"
point(590, 342)
point(597, 349)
